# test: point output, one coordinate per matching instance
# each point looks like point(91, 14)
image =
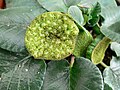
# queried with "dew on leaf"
point(8, 25)
point(19, 66)
point(38, 72)
point(26, 70)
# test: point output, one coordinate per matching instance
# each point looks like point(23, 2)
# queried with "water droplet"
point(0, 78)
point(19, 66)
point(38, 72)
point(8, 25)
point(31, 10)
point(26, 70)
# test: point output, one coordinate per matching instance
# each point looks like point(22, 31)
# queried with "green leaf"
point(26, 3)
point(103, 3)
point(110, 27)
point(88, 3)
point(57, 75)
point(84, 37)
point(94, 14)
point(96, 29)
point(71, 2)
point(116, 47)
point(93, 45)
point(8, 60)
point(99, 51)
point(107, 87)
point(76, 14)
point(20, 73)
point(13, 24)
point(53, 5)
point(83, 41)
point(82, 76)
point(112, 73)
point(107, 3)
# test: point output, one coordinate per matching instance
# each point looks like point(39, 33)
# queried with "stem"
point(72, 61)
point(98, 25)
point(104, 65)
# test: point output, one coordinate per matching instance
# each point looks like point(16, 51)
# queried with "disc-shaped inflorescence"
point(51, 36)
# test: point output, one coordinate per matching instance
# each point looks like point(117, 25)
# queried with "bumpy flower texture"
point(51, 36)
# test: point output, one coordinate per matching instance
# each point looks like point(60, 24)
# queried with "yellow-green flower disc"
point(51, 36)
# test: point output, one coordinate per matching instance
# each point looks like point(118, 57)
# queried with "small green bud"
point(54, 24)
point(48, 22)
point(51, 36)
point(65, 18)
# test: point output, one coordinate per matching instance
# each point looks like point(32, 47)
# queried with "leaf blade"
point(99, 52)
point(71, 2)
point(110, 27)
point(13, 23)
point(116, 47)
point(61, 77)
point(23, 73)
point(76, 14)
point(111, 74)
point(53, 5)
point(83, 40)
point(95, 14)
point(21, 3)
point(85, 79)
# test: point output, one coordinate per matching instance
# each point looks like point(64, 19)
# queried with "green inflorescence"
point(51, 36)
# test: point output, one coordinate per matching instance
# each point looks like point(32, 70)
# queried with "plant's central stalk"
point(51, 36)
